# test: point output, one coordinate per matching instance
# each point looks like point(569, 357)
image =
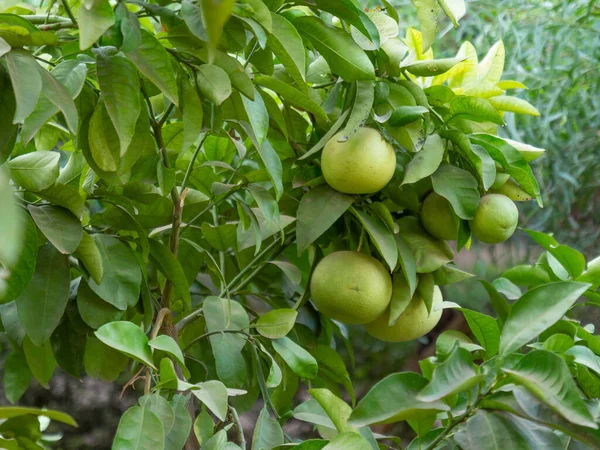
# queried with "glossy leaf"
point(161, 408)
point(348, 440)
point(455, 374)
point(17, 376)
point(222, 314)
point(35, 171)
point(127, 338)
point(426, 161)
point(139, 428)
point(547, 376)
point(60, 226)
point(168, 345)
point(458, 187)
point(319, 209)
point(299, 360)
point(151, 59)
point(342, 54)
point(22, 271)
point(213, 394)
point(214, 83)
point(168, 264)
point(287, 45)
point(122, 277)
point(26, 80)
point(120, 88)
point(267, 432)
point(335, 408)
point(277, 323)
point(89, 254)
point(361, 110)
point(95, 18)
point(548, 303)
point(95, 311)
point(381, 236)
point(376, 406)
point(215, 14)
point(42, 304)
point(40, 360)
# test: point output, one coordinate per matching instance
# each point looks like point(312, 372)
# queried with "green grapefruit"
point(438, 218)
point(363, 164)
point(413, 323)
point(495, 219)
point(351, 287)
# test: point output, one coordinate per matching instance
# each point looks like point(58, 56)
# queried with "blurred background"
point(553, 47)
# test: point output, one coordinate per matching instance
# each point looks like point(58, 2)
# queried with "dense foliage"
point(164, 207)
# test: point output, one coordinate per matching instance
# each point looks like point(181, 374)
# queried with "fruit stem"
point(361, 239)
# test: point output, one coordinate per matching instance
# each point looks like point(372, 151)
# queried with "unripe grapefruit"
point(413, 323)
point(438, 218)
point(351, 287)
point(363, 164)
point(495, 219)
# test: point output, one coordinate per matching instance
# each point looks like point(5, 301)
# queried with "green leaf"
point(455, 374)
point(213, 394)
point(527, 275)
point(60, 226)
point(8, 129)
point(35, 171)
point(222, 314)
point(376, 407)
point(71, 74)
point(585, 357)
point(458, 187)
point(60, 97)
point(500, 305)
point(332, 366)
point(347, 440)
point(10, 223)
point(569, 258)
point(43, 302)
point(161, 408)
point(213, 82)
point(168, 264)
point(127, 338)
point(101, 361)
point(17, 376)
point(381, 235)
point(168, 345)
point(215, 14)
point(275, 374)
point(182, 427)
point(547, 303)
point(404, 115)
point(203, 426)
point(427, 12)
point(103, 141)
point(431, 68)
point(216, 442)
point(513, 104)
point(154, 62)
point(89, 254)
point(267, 432)
point(258, 116)
point(487, 431)
point(68, 346)
point(448, 339)
point(450, 274)
point(94, 19)
point(40, 360)
point(277, 323)
point(312, 412)
point(475, 109)
point(547, 376)
point(191, 108)
point(361, 110)
point(293, 96)
point(343, 55)
point(299, 360)
point(287, 45)
point(485, 329)
point(139, 429)
point(387, 28)
point(129, 25)
point(272, 163)
point(335, 408)
point(291, 271)
point(120, 88)
point(477, 156)
point(454, 9)
point(512, 161)
point(429, 253)
point(426, 161)
point(8, 412)
point(122, 276)
point(318, 211)
point(401, 296)
point(26, 81)
point(22, 271)
point(93, 310)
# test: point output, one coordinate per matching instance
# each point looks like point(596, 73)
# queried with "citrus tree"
point(200, 197)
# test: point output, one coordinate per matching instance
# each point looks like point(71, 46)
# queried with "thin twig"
point(69, 13)
point(251, 54)
point(190, 167)
point(238, 426)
